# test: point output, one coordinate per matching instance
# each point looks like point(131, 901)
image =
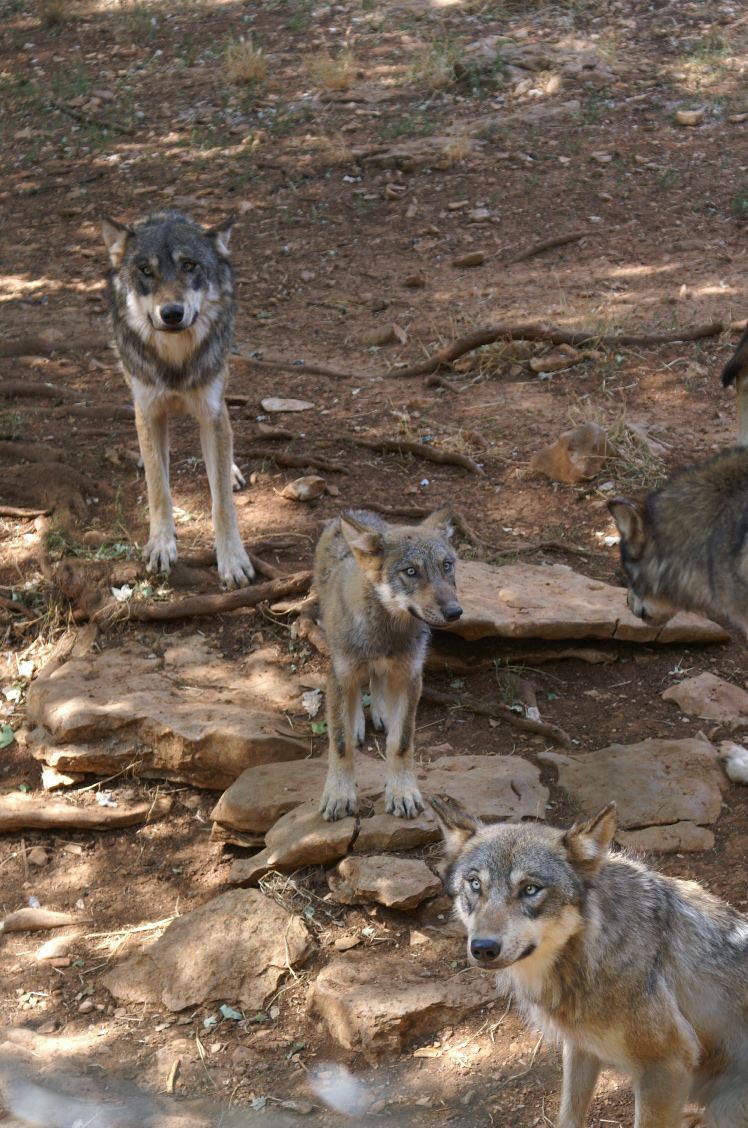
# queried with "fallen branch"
point(206, 557)
point(37, 920)
point(547, 245)
point(14, 511)
point(537, 331)
point(421, 450)
point(419, 513)
point(30, 388)
point(290, 366)
point(301, 461)
point(313, 632)
point(499, 713)
point(210, 604)
point(27, 812)
point(19, 608)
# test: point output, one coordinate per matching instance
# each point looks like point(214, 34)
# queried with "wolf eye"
point(447, 565)
point(411, 571)
point(145, 269)
point(474, 884)
point(188, 266)
point(530, 890)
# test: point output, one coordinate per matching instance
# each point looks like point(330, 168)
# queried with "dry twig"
point(300, 461)
point(14, 511)
point(290, 366)
point(421, 450)
point(216, 603)
point(499, 713)
point(547, 245)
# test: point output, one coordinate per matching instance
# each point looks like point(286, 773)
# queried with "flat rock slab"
point(710, 697)
point(27, 812)
point(235, 948)
point(397, 883)
point(195, 717)
point(300, 838)
point(373, 1002)
point(677, 838)
point(554, 602)
point(488, 786)
point(654, 783)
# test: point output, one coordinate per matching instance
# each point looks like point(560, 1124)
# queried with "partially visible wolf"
point(171, 300)
point(625, 967)
point(380, 588)
point(685, 547)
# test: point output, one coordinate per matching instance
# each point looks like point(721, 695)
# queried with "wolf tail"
point(736, 372)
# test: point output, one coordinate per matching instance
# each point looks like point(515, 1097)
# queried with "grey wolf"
point(380, 588)
point(648, 974)
point(736, 372)
point(171, 301)
point(686, 546)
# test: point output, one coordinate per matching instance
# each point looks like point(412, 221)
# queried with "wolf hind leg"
point(401, 794)
point(343, 704)
point(662, 1091)
point(377, 687)
point(153, 435)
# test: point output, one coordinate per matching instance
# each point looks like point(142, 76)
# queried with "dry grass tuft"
point(334, 150)
point(433, 65)
point(458, 146)
point(246, 65)
point(332, 72)
point(52, 13)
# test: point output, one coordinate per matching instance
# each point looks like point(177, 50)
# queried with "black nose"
point(452, 614)
point(172, 314)
point(485, 948)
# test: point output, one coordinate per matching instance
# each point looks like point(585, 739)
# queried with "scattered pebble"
point(37, 856)
point(689, 117)
point(275, 404)
point(304, 489)
point(473, 258)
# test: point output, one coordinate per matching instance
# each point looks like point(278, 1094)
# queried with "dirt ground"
point(362, 148)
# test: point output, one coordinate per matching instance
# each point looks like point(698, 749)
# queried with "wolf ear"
point(440, 520)
point(456, 825)
point(629, 519)
point(115, 236)
point(588, 840)
point(221, 233)
point(362, 540)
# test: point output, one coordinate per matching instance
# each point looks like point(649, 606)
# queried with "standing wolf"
point(685, 547)
point(172, 308)
point(645, 973)
point(380, 588)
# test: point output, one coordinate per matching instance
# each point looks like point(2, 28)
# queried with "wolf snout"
point(452, 612)
point(485, 949)
point(172, 314)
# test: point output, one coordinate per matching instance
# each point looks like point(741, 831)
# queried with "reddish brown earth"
point(322, 249)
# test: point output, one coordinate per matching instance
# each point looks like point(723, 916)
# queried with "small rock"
point(300, 838)
point(737, 119)
point(457, 205)
point(57, 947)
point(473, 258)
point(395, 191)
point(86, 1006)
point(385, 335)
point(37, 856)
point(417, 938)
point(676, 838)
point(478, 215)
point(52, 779)
point(556, 361)
point(23, 134)
point(576, 456)
point(397, 883)
point(734, 759)
point(601, 158)
point(345, 943)
point(689, 117)
point(710, 697)
point(304, 489)
point(277, 404)
point(47, 1027)
point(302, 1107)
point(307, 276)
point(60, 961)
point(415, 281)
point(333, 490)
point(95, 538)
point(386, 833)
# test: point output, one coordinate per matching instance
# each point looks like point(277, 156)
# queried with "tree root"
point(421, 450)
point(499, 713)
point(210, 604)
point(300, 461)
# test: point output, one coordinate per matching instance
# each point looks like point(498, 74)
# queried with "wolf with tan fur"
point(172, 308)
point(625, 967)
point(380, 589)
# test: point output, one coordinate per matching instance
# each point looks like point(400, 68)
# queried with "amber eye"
point(411, 571)
point(146, 270)
point(447, 565)
point(188, 266)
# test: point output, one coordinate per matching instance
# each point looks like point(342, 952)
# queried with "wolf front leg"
point(402, 692)
point(153, 435)
point(234, 566)
point(343, 705)
point(581, 1072)
point(662, 1091)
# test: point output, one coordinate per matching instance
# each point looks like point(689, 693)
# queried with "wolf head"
point(641, 567)
point(170, 277)
point(412, 568)
point(519, 888)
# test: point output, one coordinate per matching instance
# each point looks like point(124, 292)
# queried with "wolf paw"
point(235, 568)
point(160, 552)
point(403, 800)
point(338, 800)
point(237, 478)
point(378, 717)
